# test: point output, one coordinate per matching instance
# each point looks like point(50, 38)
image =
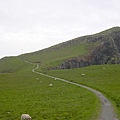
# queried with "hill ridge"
point(79, 40)
point(96, 49)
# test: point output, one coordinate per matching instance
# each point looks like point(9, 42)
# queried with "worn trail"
point(107, 110)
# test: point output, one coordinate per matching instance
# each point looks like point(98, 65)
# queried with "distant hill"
point(100, 48)
point(96, 49)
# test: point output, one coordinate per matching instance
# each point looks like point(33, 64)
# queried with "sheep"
point(25, 117)
point(103, 68)
point(83, 74)
point(37, 78)
point(8, 112)
point(50, 85)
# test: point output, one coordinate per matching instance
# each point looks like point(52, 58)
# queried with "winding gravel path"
point(107, 111)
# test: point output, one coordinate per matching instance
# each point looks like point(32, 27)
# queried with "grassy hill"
point(50, 58)
point(25, 92)
point(101, 48)
point(12, 64)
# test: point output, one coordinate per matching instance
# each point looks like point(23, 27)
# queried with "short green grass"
point(56, 57)
point(22, 92)
point(12, 64)
point(105, 78)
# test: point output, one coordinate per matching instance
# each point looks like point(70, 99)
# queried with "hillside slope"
point(12, 64)
point(100, 48)
point(107, 50)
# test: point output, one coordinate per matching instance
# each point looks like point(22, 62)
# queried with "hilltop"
point(100, 48)
point(107, 50)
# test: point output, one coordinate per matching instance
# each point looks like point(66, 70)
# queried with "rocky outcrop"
point(105, 51)
point(108, 52)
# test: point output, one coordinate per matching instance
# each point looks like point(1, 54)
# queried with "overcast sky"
point(31, 25)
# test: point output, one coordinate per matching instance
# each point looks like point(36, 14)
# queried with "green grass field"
point(27, 92)
point(106, 80)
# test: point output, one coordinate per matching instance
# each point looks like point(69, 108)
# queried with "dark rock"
point(108, 52)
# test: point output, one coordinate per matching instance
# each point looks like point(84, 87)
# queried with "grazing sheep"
point(37, 78)
point(50, 85)
point(103, 68)
point(55, 78)
point(25, 117)
point(83, 74)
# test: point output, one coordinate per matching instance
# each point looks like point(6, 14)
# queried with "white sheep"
point(37, 78)
point(103, 68)
point(50, 85)
point(83, 74)
point(25, 117)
